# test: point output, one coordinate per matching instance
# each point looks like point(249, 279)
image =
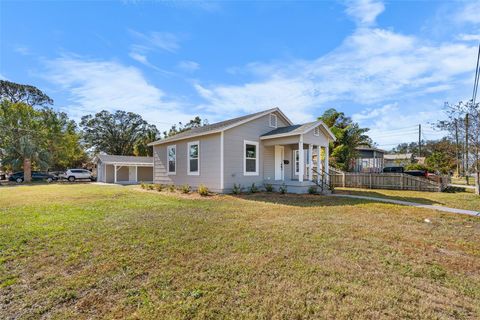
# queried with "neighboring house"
point(123, 169)
point(369, 160)
point(402, 159)
point(258, 148)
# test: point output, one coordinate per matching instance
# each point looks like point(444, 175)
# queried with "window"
point(273, 120)
point(193, 158)
point(250, 152)
point(171, 159)
point(296, 160)
point(316, 131)
point(306, 159)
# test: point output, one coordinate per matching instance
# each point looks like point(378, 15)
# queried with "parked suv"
point(74, 174)
point(36, 176)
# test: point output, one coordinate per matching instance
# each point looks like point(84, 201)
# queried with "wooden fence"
point(396, 181)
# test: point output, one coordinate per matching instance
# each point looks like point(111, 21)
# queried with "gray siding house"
point(258, 148)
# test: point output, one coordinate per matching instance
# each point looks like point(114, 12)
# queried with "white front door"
point(132, 174)
point(279, 166)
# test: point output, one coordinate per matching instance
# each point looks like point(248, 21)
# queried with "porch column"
point(301, 162)
point(310, 162)
point(115, 173)
point(326, 163)
point(319, 163)
point(136, 173)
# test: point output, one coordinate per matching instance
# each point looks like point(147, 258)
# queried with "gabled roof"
point(124, 160)
point(219, 126)
point(367, 148)
point(297, 130)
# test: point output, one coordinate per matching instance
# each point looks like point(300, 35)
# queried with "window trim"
point(193, 173)
point(295, 152)
point(316, 131)
point(270, 120)
point(172, 146)
point(257, 149)
point(306, 161)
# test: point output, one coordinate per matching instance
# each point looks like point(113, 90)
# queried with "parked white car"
point(78, 174)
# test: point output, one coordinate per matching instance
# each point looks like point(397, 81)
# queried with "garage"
point(124, 169)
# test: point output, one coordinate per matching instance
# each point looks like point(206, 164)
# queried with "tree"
point(141, 148)
point(23, 137)
point(439, 162)
point(30, 95)
point(118, 133)
point(176, 129)
point(349, 136)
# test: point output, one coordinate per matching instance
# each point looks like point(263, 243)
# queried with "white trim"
point(301, 159)
point(257, 155)
point(194, 173)
point(136, 173)
point(316, 131)
point(221, 160)
point(295, 152)
point(126, 164)
point(293, 133)
point(115, 174)
point(171, 173)
point(309, 161)
point(273, 116)
point(236, 124)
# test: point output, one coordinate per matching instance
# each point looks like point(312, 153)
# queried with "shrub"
point(150, 186)
point(268, 187)
point(237, 188)
point(171, 188)
point(143, 185)
point(203, 190)
point(185, 188)
point(283, 188)
point(253, 188)
point(159, 187)
point(416, 166)
point(312, 190)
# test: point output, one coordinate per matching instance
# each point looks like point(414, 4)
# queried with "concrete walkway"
point(461, 186)
point(412, 204)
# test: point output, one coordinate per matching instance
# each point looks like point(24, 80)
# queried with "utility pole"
point(466, 148)
point(457, 147)
point(419, 140)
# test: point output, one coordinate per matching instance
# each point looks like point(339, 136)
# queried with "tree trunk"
point(27, 170)
point(477, 183)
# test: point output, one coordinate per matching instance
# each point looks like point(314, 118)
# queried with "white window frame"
point(306, 159)
point(194, 173)
point(273, 116)
point(257, 150)
point(173, 146)
point(295, 161)
point(316, 131)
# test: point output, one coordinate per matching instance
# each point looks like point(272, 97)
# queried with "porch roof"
point(297, 129)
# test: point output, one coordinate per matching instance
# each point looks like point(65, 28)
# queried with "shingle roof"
point(215, 127)
point(294, 129)
point(124, 159)
point(370, 148)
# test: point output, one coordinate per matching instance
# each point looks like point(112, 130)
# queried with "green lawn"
point(90, 251)
point(463, 181)
point(460, 200)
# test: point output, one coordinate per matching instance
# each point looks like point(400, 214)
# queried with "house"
point(402, 159)
point(123, 169)
point(369, 159)
point(258, 148)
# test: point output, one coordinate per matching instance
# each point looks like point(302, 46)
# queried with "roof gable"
point(298, 129)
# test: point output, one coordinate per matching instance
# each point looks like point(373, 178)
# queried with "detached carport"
point(124, 169)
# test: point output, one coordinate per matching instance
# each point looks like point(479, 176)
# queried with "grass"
point(460, 200)
point(91, 251)
point(463, 180)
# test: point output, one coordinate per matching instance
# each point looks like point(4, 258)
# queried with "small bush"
point(312, 190)
point(150, 186)
point(283, 188)
point(185, 188)
point(171, 188)
point(237, 188)
point(203, 190)
point(159, 187)
point(268, 187)
point(253, 188)
point(143, 185)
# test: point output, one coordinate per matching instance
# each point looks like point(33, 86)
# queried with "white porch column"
point(301, 160)
point(136, 173)
point(310, 162)
point(326, 163)
point(115, 173)
point(319, 163)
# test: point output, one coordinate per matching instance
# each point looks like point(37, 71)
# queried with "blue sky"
point(389, 65)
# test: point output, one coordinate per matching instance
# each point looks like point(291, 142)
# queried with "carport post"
point(136, 173)
point(115, 173)
point(310, 162)
point(301, 161)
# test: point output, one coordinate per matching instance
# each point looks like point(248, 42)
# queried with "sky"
point(389, 65)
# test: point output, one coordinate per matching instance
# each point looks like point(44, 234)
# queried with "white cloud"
point(188, 66)
point(469, 37)
point(372, 113)
point(93, 85)
point(470, 13)
point(156, 40)
point(364, 12)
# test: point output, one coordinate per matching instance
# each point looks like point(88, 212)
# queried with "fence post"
point(343, 179)
point(370, 180)
point(401, 181)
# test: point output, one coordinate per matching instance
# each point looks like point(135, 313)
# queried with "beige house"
point(123, 169)
point(264, 147)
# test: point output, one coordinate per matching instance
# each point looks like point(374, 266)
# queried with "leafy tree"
point(440, 162)
point(141, 148)
point(176, 129)
point(349, 136)
point(118, 133)
point(30, 95)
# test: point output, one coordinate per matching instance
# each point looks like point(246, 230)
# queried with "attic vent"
point(273, 120)
point(316, 131)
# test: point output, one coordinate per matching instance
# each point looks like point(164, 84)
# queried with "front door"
point(279, 166)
